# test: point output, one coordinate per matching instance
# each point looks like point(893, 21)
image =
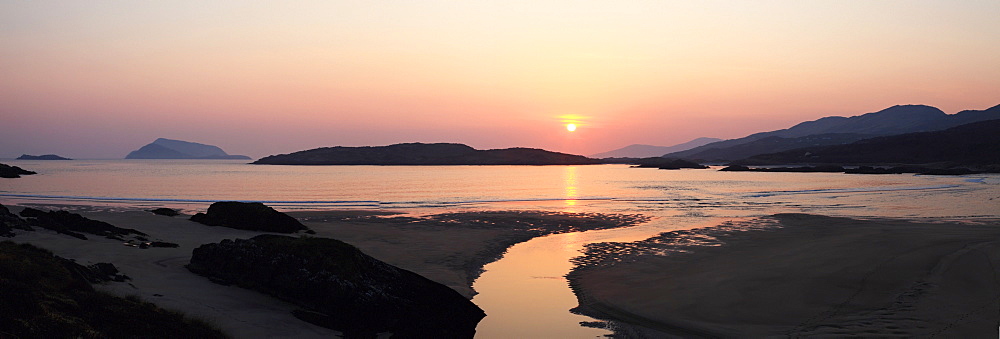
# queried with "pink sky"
point(96, 80)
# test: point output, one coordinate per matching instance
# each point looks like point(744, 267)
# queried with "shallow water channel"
point(526, 295)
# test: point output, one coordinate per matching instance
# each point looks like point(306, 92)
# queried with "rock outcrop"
point(8, 171)
point(10, 221)
point(339, 287)
point(657, 162)
point(165, 211)
point(41, 157)
point(425, 154)
point(74, 225)
point(176, 149)
point(251, 216)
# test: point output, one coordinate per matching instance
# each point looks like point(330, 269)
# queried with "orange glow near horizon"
point(262, 79)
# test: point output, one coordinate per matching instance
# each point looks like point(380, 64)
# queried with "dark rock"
point(340, 287)
point(736, 168)
point(252, 216)
point(102, 271)
point(41, 157)
point(425, 154)
point(663, 163)
point(72, 224)
point(165, 211)
point(163, 244)
point(949, 171)
point(10, 221)
point(8, 171)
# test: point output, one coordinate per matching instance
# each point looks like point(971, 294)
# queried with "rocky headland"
point(8, 171)
point(425, 154)
point(339, 286)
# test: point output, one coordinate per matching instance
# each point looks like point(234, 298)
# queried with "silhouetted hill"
point(839, 130)
point(646, 151)
point(41, 157)
point(425, 154)
point(176, 149)
point(774, 144)
point(976, 144)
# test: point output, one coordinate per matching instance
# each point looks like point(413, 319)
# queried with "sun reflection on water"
point(570, 183)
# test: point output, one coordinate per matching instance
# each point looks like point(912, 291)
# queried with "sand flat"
point(808, 275)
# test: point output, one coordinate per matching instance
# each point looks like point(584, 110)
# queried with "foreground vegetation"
point(45, 296)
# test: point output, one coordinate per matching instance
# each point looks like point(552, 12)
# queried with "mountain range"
point(176, 149)
point(836, 130)
point(974, 145)
point(645, 151)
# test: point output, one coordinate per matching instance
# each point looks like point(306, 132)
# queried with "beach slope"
point(801, 275)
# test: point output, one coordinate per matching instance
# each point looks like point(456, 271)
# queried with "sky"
point(98, 79)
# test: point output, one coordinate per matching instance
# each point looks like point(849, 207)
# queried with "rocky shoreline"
point(447, 248)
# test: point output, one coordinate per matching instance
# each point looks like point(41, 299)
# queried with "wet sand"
point(801, 275)
point(447, 248)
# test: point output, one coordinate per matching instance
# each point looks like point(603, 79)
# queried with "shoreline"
point(449, 247)
point(799, 275)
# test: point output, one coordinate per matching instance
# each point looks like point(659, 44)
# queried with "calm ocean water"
point(194, 185)
point(524, 294)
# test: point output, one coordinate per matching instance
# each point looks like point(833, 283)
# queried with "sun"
point(571, 127)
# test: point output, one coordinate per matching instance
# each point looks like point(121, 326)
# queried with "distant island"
point(176, 149)
point(425, 154)
point(41, 157)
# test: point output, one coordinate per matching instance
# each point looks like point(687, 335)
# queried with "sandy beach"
point(802, 275)
point(449, 248)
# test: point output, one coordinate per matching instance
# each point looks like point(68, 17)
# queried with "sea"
point(525, 293)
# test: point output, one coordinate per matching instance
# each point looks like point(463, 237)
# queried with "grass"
point(42, 297)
